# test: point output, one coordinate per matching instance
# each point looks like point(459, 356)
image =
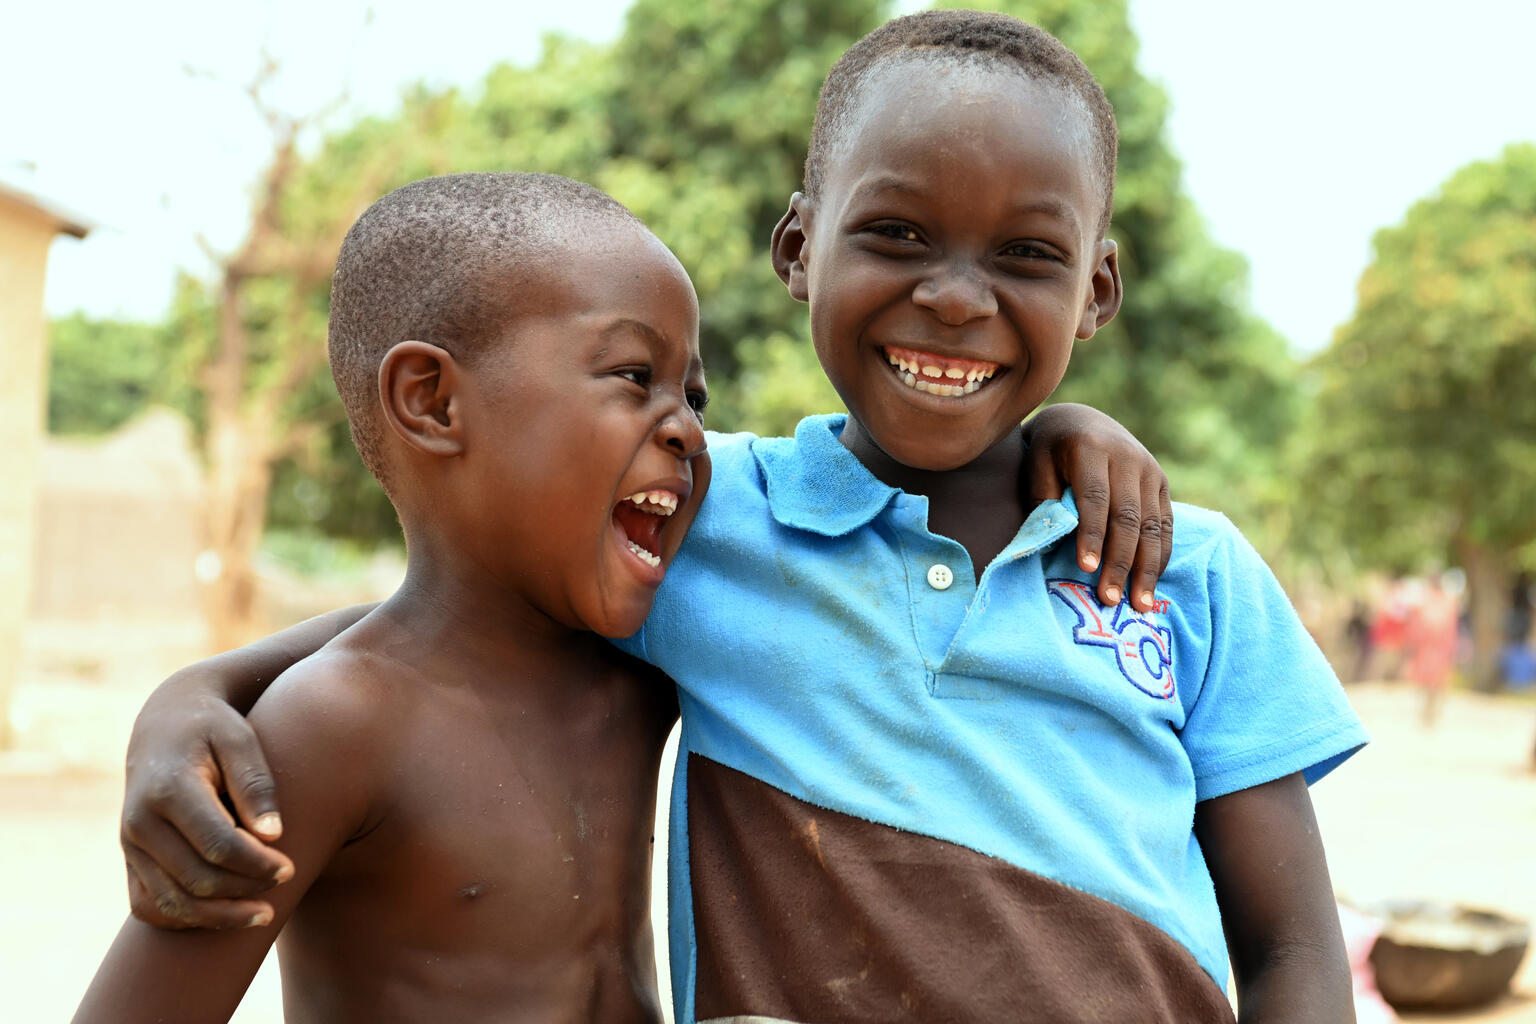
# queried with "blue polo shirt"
point(826, 644)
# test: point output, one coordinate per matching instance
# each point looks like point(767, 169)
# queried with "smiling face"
point(585, 475)
point(951, 257)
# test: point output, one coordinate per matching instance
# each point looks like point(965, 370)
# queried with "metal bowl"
point(1445, 956)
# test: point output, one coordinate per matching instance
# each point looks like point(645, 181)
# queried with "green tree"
point(102, 373)
point(1424, 443)
point(698, 117)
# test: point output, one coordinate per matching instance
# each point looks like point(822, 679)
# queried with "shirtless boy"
point(469, 772)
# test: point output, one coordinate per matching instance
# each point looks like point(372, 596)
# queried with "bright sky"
point(1304, 127)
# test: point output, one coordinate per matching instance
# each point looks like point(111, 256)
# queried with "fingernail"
point(1113, 593)
point(260, 919)
point(1090, 561)
point(283, 873)
point(1146, 599)
point(270, 824)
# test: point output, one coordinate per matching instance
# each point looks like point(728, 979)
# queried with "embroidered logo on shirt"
point(1143, 650)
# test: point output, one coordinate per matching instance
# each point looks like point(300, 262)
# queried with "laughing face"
point(951, 258)
point(598, 401)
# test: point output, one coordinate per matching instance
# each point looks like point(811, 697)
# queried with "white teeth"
point(657, 503)
point(645, 556)
point(916, 376)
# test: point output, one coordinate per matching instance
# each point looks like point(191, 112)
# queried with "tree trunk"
point(239, 478)
point(239, 464)
point(1489, 584)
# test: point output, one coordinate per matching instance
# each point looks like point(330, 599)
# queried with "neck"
point(456, 612)
point(980, 504)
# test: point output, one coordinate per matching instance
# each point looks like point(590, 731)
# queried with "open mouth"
point(641, 517)
point(933, 374)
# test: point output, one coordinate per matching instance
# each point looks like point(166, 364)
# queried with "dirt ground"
point(1446, 813)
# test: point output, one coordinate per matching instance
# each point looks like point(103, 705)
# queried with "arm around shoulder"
point(189, 862)
point(316, 728)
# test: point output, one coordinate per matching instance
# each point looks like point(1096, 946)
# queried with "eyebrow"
point(631, 324)
point(651, 335)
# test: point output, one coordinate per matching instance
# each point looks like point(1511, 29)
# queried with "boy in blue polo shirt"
point(925, 774)
point(911, 790)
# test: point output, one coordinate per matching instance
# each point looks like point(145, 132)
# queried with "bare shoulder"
point(336, 694)
point(327, 726)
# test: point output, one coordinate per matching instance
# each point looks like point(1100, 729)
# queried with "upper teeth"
point(912, 366)
point(974, 376)
point(657, 503)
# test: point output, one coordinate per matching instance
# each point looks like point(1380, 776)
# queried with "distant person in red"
point(1389, 630)
point(1432, 639)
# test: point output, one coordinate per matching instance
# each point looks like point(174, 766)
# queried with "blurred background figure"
point(1389, 629)
point(1518, 659)
point(1432, 641)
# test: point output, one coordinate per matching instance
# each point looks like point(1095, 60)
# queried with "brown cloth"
point(807, 915)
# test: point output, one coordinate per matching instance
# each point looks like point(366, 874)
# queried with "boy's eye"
point(1031, 251)
point(640, 375)
point(697, 400)
point(898, 232)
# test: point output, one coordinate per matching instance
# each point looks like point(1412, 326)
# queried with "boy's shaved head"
point(983, 37)
point(440, 260)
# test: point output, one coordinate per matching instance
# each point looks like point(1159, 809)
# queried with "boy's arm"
point(318, 736)
point(190, 864)
point(1125, 517)
point(1277, 904)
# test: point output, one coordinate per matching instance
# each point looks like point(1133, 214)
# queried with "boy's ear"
point(1107, 292)
point(788, 248)
point(420, 387)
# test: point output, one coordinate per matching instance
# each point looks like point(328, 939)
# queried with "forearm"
point(1277, 906)
point(1297, 984)
point(152, 976)
point(239, 677)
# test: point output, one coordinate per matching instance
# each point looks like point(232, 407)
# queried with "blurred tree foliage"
point(104, 372)
point(1424, 445)
point(697, 117)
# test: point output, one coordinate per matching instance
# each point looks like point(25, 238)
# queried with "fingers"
point(1165, 522)
point(180, 818)
point(1122, 535)
point(248, 781)
point(170, 848)
point(1153, 544)
point(1090, 489)
point(1138, 534)
point(156, 899)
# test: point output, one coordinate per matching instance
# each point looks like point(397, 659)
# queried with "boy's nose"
point(955, 295)
point(681, 432)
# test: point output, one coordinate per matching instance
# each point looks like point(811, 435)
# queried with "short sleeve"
point(1270, 704)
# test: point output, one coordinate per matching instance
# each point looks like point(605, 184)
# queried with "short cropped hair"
point(438, 261)
point(983, 37)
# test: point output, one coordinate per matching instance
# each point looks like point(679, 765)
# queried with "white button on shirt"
point(940, 576)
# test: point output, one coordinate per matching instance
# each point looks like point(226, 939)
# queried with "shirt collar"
point(816, 484)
